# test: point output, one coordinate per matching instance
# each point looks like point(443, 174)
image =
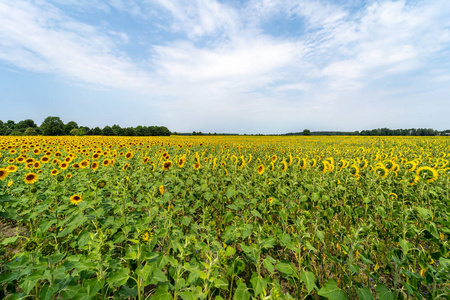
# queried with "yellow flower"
point(261, 169)
point(270, 200)
point(393, 196)
point(161, 189)
point(31, 178)
point(3, 173)
point(10, 183)
point(75, 199)
point(427, 173)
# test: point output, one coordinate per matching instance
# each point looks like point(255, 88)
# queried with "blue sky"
point(267, 66)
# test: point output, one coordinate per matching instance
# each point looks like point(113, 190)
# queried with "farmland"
point(225, 217)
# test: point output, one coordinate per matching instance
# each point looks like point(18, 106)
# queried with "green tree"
point(97, 131)
point(52, 126)
point(69, 126)
point(30, 131)
point(23, 125)
point(107, 130)
point(306, 132)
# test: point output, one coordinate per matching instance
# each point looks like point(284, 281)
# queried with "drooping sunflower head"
point(125, 167)
point(354, 170)
point(75, 199)
point(389, 165)
point(161, 189)
point(427, 173)
point(393, 196)
point(381, 171)
point(410, 165)
point(31, 178)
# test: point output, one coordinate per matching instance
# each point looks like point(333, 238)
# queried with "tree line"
point(54, 126)
point(378, 132)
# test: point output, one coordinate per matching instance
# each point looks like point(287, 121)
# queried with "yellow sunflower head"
point(31, 178)
point(75, 199)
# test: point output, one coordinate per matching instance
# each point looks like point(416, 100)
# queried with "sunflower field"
point(224, 217)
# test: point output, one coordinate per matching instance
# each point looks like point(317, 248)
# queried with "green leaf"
point(309, 280)
point(285, 268)
point(162, 293)
point(320, 235)
point(268, 264)
point(424, 212)
point(119, 278)
point(159, 276)
point(10, 240)
point(331, 291)
point(256, 214)
point(187, 295)
point(242, 292)
point(48, 291)
point(219, 283)
point(258, 285)
point(405, 245)
point(365, 294)
point(384, 293)
point(93, 286)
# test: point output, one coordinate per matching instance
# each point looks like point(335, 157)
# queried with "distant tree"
point(30, 131)
point(118, 131)
point(306, 132)
point(10, 124)
point(97, 131)
point(129, 131)
point(69, 126)
point(23, 125)
point(107, 130)
point(52, 126)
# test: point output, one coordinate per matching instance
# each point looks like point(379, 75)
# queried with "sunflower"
point(167, 165)
point(101, 184)
point(427, 173)
point(68, 176)
point(312, 163)
point(84, 164)
point(63, 165)
point(76, 166)
point(414, 180)
point(196, 166)
point(31, 178)
point(145, 236)
point(285, 165)
point(95, 156)
point(11, 169)
point(274, 158)
point(393, 196)
point(12, 151)
point(3, 173)
point(30, 246)
point(261, 169)
point(94, 165)
point(411, 165)
point(270, 200)
point(303, 164)
point(161, 189)
point(45, 159)
point(354, 170)
point(125, 167)
point(381, 171)
point(106, 162)
point(54, 172)
point(48, 249)
point(129, 155)
point(75, 199)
